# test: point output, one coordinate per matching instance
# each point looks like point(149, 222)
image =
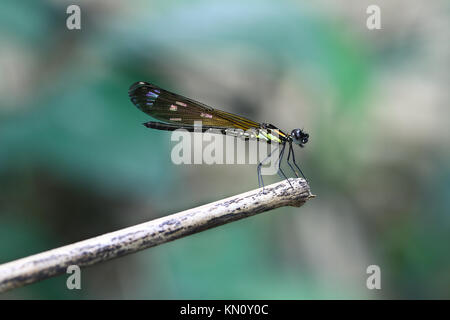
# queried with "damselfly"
point(177, 112)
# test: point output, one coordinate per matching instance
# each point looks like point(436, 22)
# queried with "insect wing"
point(169, 107)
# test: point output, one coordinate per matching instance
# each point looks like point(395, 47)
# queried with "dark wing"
point(169, 107)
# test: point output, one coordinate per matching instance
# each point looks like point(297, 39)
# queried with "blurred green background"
point(75, 161)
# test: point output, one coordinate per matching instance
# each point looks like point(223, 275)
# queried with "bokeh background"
point(75, 161)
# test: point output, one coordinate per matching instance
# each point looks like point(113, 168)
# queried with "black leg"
point(289, 156)
point(295, 164)
point(279, 165)
point(258, 170)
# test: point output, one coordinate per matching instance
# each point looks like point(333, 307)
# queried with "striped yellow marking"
point(281, 134)
point(273, 138)
point(262, 135)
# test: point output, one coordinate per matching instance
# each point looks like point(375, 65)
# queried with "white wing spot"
point(206, 115)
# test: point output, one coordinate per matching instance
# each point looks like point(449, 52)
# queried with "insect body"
point(174, 112)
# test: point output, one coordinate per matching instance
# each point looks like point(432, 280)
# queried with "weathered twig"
point(115, 244)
